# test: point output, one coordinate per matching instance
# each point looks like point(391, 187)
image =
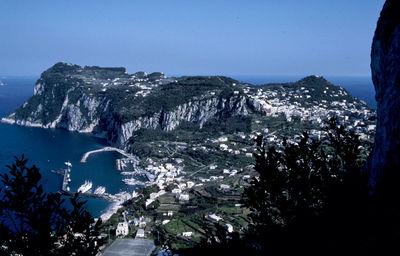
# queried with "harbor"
point(84, 190)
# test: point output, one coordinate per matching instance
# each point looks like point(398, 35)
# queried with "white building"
point(229, 228)
point(223, 139)
point(190, 184)
point(223, 146)
point(122, 229)
point(184, 197)
point(214, 217)
point(187, 234)
point(224, 187)
point(176, 191)
point(149, 202)
point(140, 233)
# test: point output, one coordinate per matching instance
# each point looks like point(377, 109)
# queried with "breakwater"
point(105, 149)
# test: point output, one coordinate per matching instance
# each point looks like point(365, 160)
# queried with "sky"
point(187, 37)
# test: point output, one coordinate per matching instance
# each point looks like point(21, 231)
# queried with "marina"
point(84, 188)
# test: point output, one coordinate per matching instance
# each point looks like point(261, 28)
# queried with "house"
point(213, 218)
point(176, 191)
point(149, 202)
point(122, 229)
point(140, 233)
point(229, 228)
point(246, 177)
point(223, 146)
point(224, 187)
point(184, 197)
point(187, 234)
point(222, 139)
point(190, 184)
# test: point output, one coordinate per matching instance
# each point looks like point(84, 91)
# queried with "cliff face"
point(385, 66)
point(197, 111)
point(110, 103)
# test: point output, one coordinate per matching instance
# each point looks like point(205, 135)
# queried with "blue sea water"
point(48, 149)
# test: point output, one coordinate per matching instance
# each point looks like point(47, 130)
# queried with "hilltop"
point(110, 103)
point(193, 136)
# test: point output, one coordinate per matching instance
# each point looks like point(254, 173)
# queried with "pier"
point(65, 189)
point(106, 149)
point(66, 179)
point(106, 196)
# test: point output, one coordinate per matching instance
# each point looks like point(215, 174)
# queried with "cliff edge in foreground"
point(385, 66)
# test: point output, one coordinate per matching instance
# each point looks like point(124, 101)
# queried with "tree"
point(310, 195)
point(33, 222)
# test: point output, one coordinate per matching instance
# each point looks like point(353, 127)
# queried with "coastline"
point(120, 198)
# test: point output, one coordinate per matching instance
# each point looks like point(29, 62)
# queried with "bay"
point(48, 149)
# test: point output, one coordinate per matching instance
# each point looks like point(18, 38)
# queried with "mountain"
point(110, 103)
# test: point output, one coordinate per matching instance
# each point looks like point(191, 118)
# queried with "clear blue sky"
point(231, 37)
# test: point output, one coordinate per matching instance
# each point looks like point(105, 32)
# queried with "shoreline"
point(120, 198)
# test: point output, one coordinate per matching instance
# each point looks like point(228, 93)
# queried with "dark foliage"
point(309, 197)
point(33, 222)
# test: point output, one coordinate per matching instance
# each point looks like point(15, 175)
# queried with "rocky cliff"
point(110, 103)
point(385, 66)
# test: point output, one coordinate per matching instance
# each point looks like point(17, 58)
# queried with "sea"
point(49, 149)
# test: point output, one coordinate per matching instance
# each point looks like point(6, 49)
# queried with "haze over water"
point(48, 149)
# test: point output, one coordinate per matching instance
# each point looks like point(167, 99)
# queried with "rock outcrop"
point(110, 103)
point(385, 65)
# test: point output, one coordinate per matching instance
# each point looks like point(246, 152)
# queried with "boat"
point(68, 163)
point(100, 190)
point(85, 187)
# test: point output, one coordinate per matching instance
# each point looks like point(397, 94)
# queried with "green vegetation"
point(36, 223)
point(309, 197)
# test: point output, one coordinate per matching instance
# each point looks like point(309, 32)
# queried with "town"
point(192, 179)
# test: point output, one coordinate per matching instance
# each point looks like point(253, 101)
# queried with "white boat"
point(1, 83)
point(85, 187)
point(68, 163)
point(100, 190)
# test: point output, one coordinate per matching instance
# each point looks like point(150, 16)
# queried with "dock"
point(65, 190)
point(106, 196)
point(106, 149)
point(66, 179)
